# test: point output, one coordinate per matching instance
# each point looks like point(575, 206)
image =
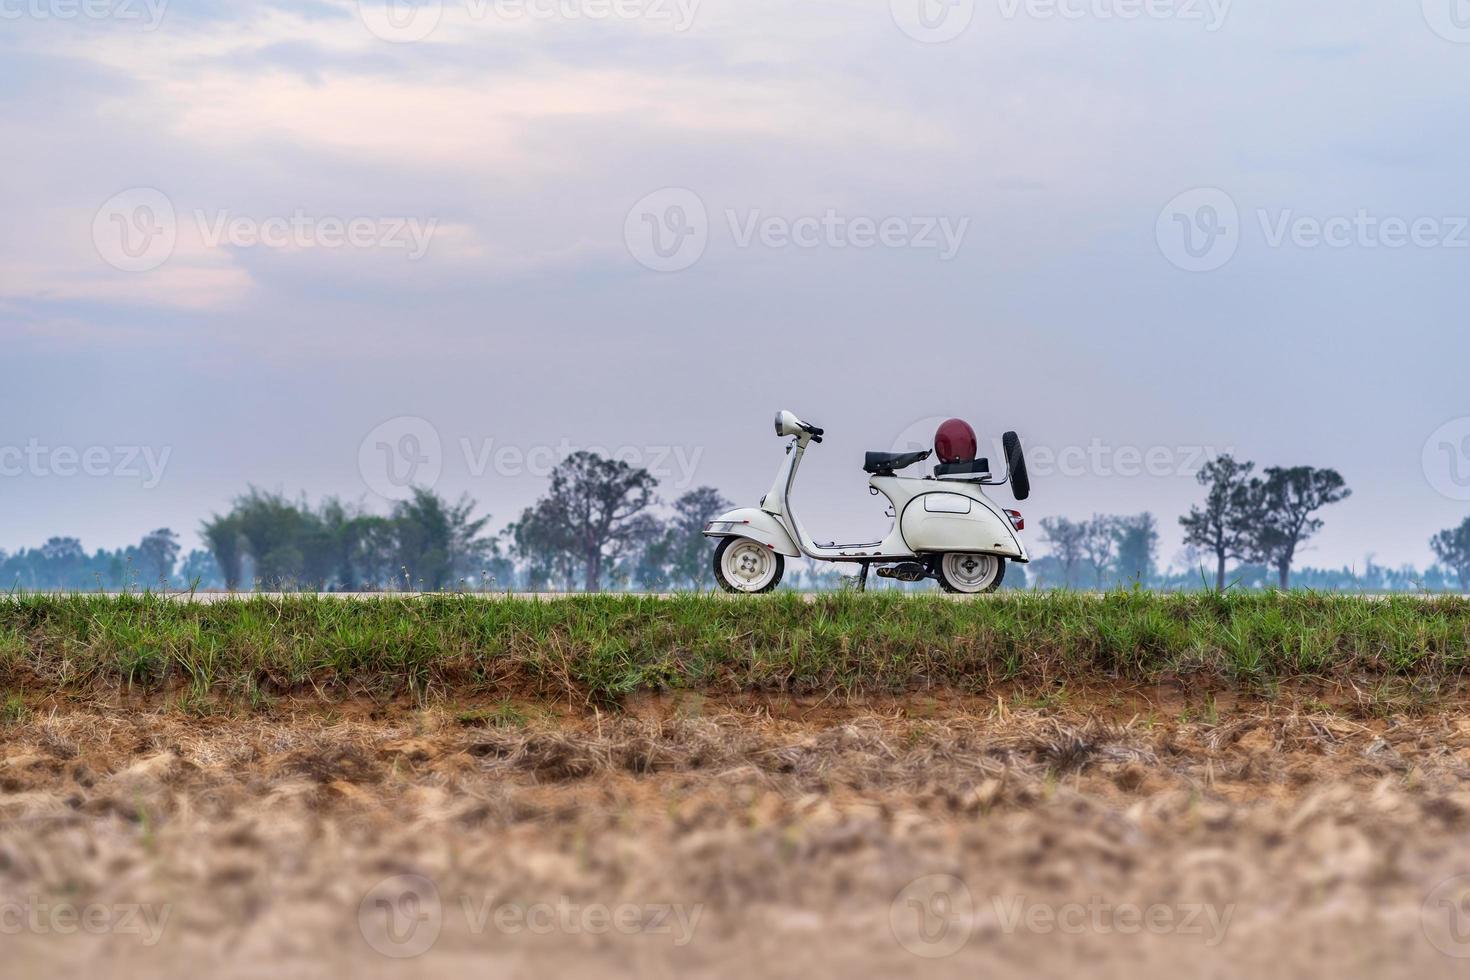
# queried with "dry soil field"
point(1109, 832)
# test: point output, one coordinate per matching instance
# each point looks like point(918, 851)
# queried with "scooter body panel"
point(756, 524)
point(938, 516)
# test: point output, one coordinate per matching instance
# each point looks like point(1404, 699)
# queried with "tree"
point(438, 543)
point(222, 534)
point(651, 564)
point(337, 546)
point(155, 556)
point(687, 548)
point(1065, 538)
point(200, 571)
point(1225, 525)
point(542, 540)
point(64, 562)
point(599, 499)
point(1452, 547)
point(1137, 540)
point(1286, 500)
point(268, 530)
point(1098, 540)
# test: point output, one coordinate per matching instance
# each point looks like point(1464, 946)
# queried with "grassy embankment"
point(601, 648)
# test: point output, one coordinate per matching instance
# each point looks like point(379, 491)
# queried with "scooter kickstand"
point(863, 578)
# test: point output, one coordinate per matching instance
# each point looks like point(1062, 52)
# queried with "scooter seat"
point(884, 464)
point(968, 467)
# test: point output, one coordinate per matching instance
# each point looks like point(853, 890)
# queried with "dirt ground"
point(943, 835)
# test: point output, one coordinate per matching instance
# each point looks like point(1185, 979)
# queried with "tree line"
point(1099, 552)
point(601, 525)
point(1258, 521)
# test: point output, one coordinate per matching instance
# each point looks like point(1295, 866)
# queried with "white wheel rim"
point(748, 565)
point(970, 573)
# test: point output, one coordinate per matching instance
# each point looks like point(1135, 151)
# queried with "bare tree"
point(1225, 526)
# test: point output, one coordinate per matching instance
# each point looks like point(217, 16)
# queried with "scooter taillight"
point(1017, 521)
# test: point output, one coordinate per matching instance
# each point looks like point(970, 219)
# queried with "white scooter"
point(944, 526)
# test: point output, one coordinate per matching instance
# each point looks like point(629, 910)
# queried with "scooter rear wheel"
point(747, 567)
point(970, 574)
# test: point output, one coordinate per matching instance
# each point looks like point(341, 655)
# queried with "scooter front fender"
point(756, 524)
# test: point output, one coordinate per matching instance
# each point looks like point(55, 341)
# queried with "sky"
point(334, 247)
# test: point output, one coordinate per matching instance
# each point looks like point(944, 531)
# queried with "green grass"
point(604, 647)
point(13, 710)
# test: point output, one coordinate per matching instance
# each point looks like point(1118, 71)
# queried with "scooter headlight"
point(787, 424)
point(723, 527)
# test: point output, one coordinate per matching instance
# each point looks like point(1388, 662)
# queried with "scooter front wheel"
point(746, 566)
point(970, 574)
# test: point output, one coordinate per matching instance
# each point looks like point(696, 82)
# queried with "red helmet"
point(955, 442)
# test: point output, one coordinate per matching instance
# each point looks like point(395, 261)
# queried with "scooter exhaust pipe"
point(909, 571)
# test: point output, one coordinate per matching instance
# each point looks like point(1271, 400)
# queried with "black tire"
point(1016, 465)
point(729, 586)
point(948, 586)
